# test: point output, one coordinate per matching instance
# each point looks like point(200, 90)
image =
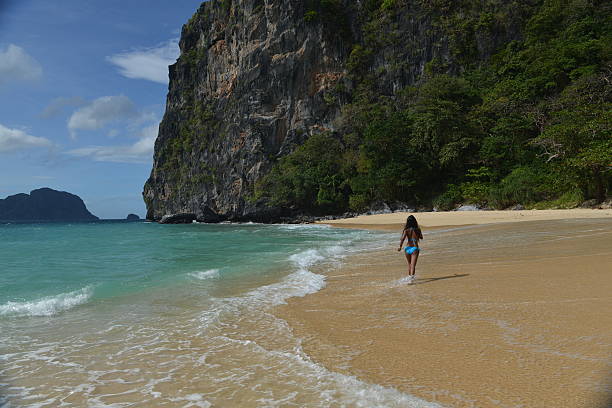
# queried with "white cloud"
point(57, 105)
point(16, 139)
point(100, 112)
point(17, 65)
point(148, 63)
point(139, 152)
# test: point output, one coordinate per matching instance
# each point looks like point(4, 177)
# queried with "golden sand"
point(449, 218)
point(501, 315)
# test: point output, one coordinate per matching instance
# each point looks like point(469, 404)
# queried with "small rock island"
point(132, 217)
point(44, 204)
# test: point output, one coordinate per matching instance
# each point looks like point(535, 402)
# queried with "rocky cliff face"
point(257, 77)
point(249, 85)
point(44, 204)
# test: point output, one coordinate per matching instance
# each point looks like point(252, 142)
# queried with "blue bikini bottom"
point(411, 250)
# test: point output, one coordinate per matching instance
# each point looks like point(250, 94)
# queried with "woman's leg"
point(413, 262)
point(408, 256)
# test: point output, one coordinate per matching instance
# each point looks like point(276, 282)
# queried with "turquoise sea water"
point(141, 314)
point(43, 263)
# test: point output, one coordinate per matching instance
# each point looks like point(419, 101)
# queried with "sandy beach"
point(394, 221)
point(509, 309)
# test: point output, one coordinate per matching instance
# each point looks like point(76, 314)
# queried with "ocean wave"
point(47, 306)
point(299, 283)
point(336, 251)
point(306, 259)
point(205, 275)
point(302, 227)
point(302, 281)
point(239, 223)
point(333, 389)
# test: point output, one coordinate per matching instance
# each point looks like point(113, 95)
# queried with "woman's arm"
point(420, 234)
point(402, 240)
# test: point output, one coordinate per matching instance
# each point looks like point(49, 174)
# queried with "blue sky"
point(83, 86)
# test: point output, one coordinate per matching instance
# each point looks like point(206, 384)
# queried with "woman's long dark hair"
point(411, 222)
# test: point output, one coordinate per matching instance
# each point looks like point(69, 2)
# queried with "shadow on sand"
point(428, 280)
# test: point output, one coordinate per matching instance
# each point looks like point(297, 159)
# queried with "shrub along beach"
point(529, 125)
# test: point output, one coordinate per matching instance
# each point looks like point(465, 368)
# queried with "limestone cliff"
point(258, 77)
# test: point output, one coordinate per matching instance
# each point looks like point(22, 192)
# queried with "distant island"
point(44, 204)
point(132, 217)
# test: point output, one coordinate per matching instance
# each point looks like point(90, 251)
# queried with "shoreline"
point(485, 328)
point(390, 221)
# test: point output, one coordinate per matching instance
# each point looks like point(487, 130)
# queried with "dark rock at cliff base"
point(208, 215)
point(606, 205)
point(132, 217)
point(469, 207)
point(182, 218)
point(44, 204)
point(379, 207)
point(402, 207)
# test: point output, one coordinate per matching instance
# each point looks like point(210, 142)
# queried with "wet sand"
point(509, 314)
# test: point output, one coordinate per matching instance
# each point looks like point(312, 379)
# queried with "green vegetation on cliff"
point(528, 124)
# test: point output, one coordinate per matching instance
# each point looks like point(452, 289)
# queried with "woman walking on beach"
point(412, 233)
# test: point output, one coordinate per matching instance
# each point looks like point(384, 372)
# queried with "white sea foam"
point(336, 251)
point(306, 259)
point(205, 275)
point(300, 283)
point(47, 306)
point(334, 389)
point(193, 400)
point(304, 227)
point(297, 284)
